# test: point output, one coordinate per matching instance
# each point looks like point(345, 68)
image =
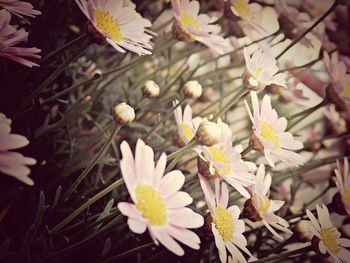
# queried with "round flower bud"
point(150, 89)
point(302, 231)
point(192, 89)
point(123, 114)
point(208, 133)
point(255, 143)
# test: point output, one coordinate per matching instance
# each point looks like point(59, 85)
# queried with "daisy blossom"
point(225, 161)
point(186, 126)
point(226, 226)
point(158, 205)
point(12, 163)
point(261, 208)
point(329, 237)
point(339, 78)
point(261, 71)
point(269, 133)
point(190, 26)
point(343, 183)
point(9, 37)
point(119, 24)
point(19, 8)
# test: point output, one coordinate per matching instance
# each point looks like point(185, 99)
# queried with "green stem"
point(184, 149)
point(53, 76)
point(88, 203)
point(179, 104)
point(317, 197)
point(94, 161)
point(285, 255)
point(330, 10)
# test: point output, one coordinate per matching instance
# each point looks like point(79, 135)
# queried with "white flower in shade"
point(119, 23)
point(158, 205)
point(265, 207)
point(12, 163)
point(225, 161)
point(19, 8)
point(190, 26)
point(186, 126)
point(269, 130)
point(339, 76)
point(226, 226)
point(11, 36)
point(261, 71)
point(329, 237)
point(343, 183)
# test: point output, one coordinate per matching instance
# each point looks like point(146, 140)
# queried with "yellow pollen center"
point(188, 20)
point(221, 157)
point(187, 131)
point(257, 72)
point(268, 133)
point(263, 203)
point(242, 8)
point(224, 223)
point(329, 238)
point(346, 88)
point(346, 195)
point(106, 23)
point(151, 205)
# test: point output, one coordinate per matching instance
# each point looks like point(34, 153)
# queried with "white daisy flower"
point(226, 226)
point(261, 71)
point(330, 240)
point(343, 184)
point(269, 130)
point(158, 205)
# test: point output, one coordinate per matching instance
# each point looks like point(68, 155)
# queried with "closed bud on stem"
point(192, 89)
point(208, 133)
point(150, 89)
point(123, 114)
point(302, 231)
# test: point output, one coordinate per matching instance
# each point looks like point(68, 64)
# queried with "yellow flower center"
point(221, 157)
point(242, 8)
point(263, 203)
point(329, 238)
point(346, 88)
point(106, 23)
point(257, 73)
point(151, 205)
point(268, 133)
point(187, 20)
point(187, 131)
point(346, 195)
point(224, 223)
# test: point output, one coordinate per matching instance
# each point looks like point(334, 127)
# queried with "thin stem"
point(246, 150)
point(308, 111)
point(317, 197)
point(94, 161)
point(184, 149)
point(330, 10)
point(53, 76)
point(179, 104)
point(285, 255)
point(84, 206)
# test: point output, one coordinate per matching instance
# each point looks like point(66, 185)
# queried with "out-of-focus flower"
point(13, 163)
point(150, 89)
point(9, 37)
point(269, 134)
point(343, 184)
point(337, 123)
point(225, 161)
point(189, 26)
point(261, 208)
point(328, 237)
point(192, 89)
point(261, 70)
point(117, 23)
point(19, 8)
point(186, 126)
point(123, 114)
point(158, 205)
point(302, 231)
point(339, 91)
point(208, 133)
point(227, 228)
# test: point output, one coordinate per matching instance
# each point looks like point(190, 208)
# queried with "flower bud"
point(302, 231)
point(208, 133)
point(192, 89)
point(123, 114)
point(150, 89)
